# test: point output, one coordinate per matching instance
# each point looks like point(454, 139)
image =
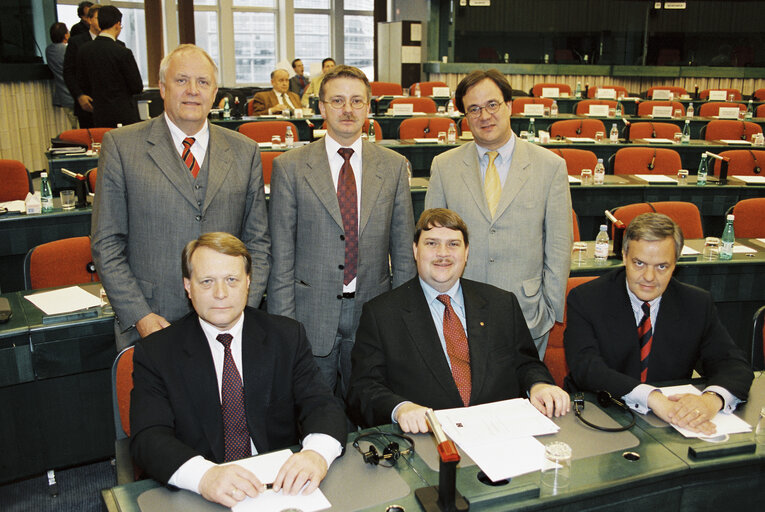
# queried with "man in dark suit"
point(299, 82)
point(638, 325)
point(108, 72)
point(278, 99)
point(191, 407)
point(82, 26)
point(440, 341)
point(83, 106)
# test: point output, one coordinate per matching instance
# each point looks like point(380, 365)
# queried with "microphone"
point(653, 161)
point(756, 169)
point(579, 129)
point(743, 130)
point(627, 126)
point(653, 131)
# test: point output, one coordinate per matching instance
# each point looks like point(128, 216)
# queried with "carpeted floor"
point(79, 490)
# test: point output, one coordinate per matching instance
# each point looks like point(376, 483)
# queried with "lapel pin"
point(481, 324)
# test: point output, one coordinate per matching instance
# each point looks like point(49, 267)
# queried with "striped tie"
point(236, 436)
point(645, 334)
point(457, 348)
point(188, 156)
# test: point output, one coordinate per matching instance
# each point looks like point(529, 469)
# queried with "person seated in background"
point(637, 325)
point(440, 341)
point(278, 99)
point(226, 382)
point(314, 87)
point(299, 82)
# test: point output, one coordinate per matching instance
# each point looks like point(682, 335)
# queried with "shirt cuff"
point(637, 399)
point(395, 410)
point(731, 402)
point(323, 444)
point(190, 473)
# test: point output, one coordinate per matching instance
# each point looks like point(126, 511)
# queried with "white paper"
point(718, 95)
point(725, 423)
point(606, 93)
point(441, 92)
point(687, 251)
point(65, 300)
point(743, 249)
point(598, 110)
point(655, 178)
point(762, 240)
point(728, 113)
point(402, 109)
point(14, 206)
point(660, 94)
point(736, 141)
point(533, 109)
point(426, 141)
point(661, 111)
point(266, 467)
point(579, 140)
point(759, 180)
point(573, 179)
point(550, 92)
point(657, 140)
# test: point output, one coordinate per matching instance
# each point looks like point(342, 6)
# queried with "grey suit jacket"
point(308, 249)
point(526, 248)
point(147, 207)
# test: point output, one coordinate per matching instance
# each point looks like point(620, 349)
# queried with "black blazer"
point(603, 350)
point(175, 409)
point(397, 355)
point(70, 76)
point(107, 71)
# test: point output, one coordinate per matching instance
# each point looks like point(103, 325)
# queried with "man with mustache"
point(341, 219)
point(440, 341)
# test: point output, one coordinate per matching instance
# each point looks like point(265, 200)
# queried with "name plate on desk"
point(606, 94)
point(533, 109)
point(661, 112)
point(718, 95)
point(441, 92)
point(401, 109)
point(550, 92)
point(598, 110)
point(661, 94)
point(728, 113)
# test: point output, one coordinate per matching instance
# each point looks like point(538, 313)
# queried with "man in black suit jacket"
point(603, 348)
point(83, 106)
point(179, 431)
point(400, 361)
point(108, 71)
point(82, 26)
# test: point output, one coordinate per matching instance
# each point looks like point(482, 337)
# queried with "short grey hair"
point(182, 49)
point(653, 227)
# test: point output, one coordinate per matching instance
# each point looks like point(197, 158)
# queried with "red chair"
point(426, 105)
point(464, 127)
point(427, 127)
point(562, 88)
point(91, 176)
point(267, 160)
point(84, 135)
point(645, 108)
point(685, 215)
point(575, 225)
point(760, 111)
point(736, 93)
point(759, 95)
point(651, 130)
point(426, 88)
point(713, 108)
point(576, 159)
point(577, 128)
point(59, 263)
point(555, 355)
point(122, 385)
point(386, 89)
point(728, 129)
point(583, 107)
point(677, 91)
point(15, 182)
point(743, 162)
point(646, 161)
point(262, 131)
point(620, 91)
point(749, 216)
point(520, 103)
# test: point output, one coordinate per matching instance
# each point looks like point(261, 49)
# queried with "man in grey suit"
point(515, 199)
point(164, 182)
point(341, 216)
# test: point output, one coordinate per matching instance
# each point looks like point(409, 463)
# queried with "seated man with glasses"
point(514, 197)
point(341, 218)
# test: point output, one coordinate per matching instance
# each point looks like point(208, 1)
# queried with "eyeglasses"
point(491, 107)
point(340, 103)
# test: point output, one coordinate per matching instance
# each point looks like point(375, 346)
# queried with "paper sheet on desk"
point(743, 249)
point(14, 206)
point(725, 423)
point(655, 178)
point(65, 300)
point(687, 251)
point(266, 467)
point(754, 180)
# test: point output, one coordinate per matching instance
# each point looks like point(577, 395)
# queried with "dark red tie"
point(645, 334)
point(236, 437)
point(347, 199)
point(457, 348)
point(188, 156)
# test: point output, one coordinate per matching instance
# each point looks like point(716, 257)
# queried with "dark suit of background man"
point(164, 182)
point(83, 106)
point(278, 99)
point(441, 342)
point(338, 227)
point(515, 199)
point(82, 26)
point(638, 325)
point(226, 382)
point(299, 82)
point(108, 70)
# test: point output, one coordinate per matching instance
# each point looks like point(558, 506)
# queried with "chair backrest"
point(426, 88)
point(646, 161)
point(713, 108)
point(428, 127)
point(583, 107)
point(758, 335)
point(645, 108)
point(577, 128)
point(15, 182)
point(267, 160)
point(729, 129)
point(426, 105)
point(736, 93)
point(749, 216)
point(677, 91)
point(92, 176)
point(538, 88)
point(592, 92)
point(555, 355)
point(122, 385)
point(685, 215)
point(262, 131)
point(84, 135)
point(464, 127)
point(759, 95)
point(59, 263)
point(760, 111)
point(743, 162)
point(386, 89)
point(576, 159)
point(651, 130)
point(520, 103)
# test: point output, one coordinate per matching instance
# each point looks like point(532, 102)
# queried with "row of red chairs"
point(645, 108)
point(592, 92)
point(718, 129)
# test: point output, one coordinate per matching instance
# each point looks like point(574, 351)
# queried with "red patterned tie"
point(188, 156)
point(346, 198)
point(236, 437)
point(457, 348)
point(645, 334)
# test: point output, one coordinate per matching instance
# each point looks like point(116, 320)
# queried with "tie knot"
point(188, 142)
point(225, 339)
point(646, 309)
point(492, 156)
point(346, 153)
point(445, 299)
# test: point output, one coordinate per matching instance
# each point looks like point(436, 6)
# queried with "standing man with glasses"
point(341, 218)
point(515, 199)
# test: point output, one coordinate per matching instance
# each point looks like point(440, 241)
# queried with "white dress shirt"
point(202, 138)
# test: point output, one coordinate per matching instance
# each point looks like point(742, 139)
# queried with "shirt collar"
point(505, 152)
point(104, 34)
point(636, 302)
point(332, 145)
point(178, 134)
point(212, 332)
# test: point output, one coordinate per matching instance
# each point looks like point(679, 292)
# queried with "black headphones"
point(391, 452)
point(604, 400)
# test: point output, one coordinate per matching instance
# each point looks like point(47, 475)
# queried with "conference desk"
point(304, 125)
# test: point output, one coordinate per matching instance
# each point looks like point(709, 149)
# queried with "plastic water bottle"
point(226, 109)
point(749, 111)
point(614, 135)
point(450, 108)
point(759, 431)
point(689, 112)
point(417, 92)
point(451, 134)
point(46, 195)
point(372, 137)
point(601, 245)
point(686, 132)
point(701, 174)
point(532, 130)
point(289, 138)
point(578, 90)
point(599, 174)
point(554, 109)
point(728, 238)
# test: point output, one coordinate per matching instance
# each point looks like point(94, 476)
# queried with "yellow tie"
point(491, 185)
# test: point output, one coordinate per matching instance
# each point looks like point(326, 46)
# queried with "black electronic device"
point(391, 451)
point(604, 400)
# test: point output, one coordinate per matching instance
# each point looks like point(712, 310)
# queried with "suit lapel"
point(319, 178)
point(162, 151)
point(371, 183)
point(471, 176)
point(478, 323)
point(257, 357)
point(516, 177)
point(621, 319)
point(219, 152)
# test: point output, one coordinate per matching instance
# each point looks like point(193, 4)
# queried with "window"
point(254, 46)
point(359, 43)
